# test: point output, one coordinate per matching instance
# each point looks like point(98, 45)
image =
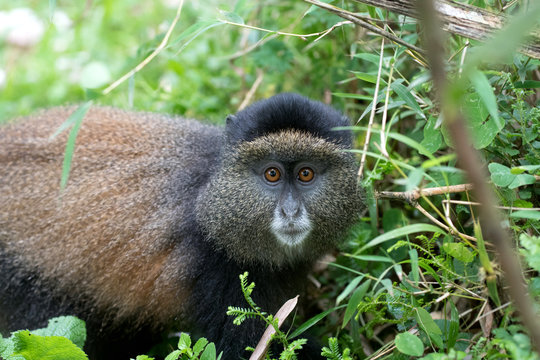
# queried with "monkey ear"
point(232, 130)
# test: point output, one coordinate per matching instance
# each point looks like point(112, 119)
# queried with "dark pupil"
point(272, 173)
point(305, 173)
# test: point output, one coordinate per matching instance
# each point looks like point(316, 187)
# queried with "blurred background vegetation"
point(437, 285)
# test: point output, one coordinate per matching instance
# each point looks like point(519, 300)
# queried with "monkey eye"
point(272, 174)
point(305, 174)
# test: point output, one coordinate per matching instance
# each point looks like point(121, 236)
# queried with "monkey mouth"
point(291, 235)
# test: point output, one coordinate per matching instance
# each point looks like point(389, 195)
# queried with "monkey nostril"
point(290, 212)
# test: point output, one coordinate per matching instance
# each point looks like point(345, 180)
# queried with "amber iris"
point(272, 174)
point(305, 174)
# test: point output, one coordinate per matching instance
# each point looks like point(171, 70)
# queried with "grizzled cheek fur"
point(335, 208)
point(235, 213)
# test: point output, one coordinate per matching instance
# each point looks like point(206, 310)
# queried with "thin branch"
point(450, 229)
point(301, 36)
point(372, 115)
point(251, 92)
point(469, 160)
point(473, 203)
point(414, 195)
point(150, 57)
point(359, 20)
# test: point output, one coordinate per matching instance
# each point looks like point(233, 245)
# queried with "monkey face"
point(280, 198)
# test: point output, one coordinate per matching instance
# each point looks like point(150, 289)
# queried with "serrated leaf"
point(409, 344)
point(406, 96)
point(36, 347)
point(356, 298)
point(459, 251)
point(67, 326)
point(184, 342)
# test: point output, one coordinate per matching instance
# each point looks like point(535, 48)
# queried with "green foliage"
point(401, 276)
point(62, 339)
point(201, 350)
point(290, 348)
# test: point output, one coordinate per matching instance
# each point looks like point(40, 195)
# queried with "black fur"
point(288, 111)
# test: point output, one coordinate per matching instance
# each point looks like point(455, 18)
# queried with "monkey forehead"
point(291, 145)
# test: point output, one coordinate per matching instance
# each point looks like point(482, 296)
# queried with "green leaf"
point(521, 180)
point(413, 255)
point(432, 137)
point(74, 119)
point(209, 352)
point(453, 329)
point(314, 320)
point(526, 214)
point(356, 298)
point(483, 129)
point(500, 174)
point(199, 346)
point(365, 77)
point(406, 96)
point(174, 355)
point(423, 318)
point(372, 58)
point(485, 91)
point(436, 162)
point(36, 347)
point(398, 233)
point(184, 342)
point(409, 344)
point(459, 251)
point(232, 17)
point(527, 84)
point(350, 287)
point(145, 357)
point(67, 326)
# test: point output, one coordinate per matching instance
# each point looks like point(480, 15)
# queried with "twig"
point(372, 115)
point(473, 203)
point(251, 92)
point(414, 195)
point(150, 57)
point(469, 160)
point(451, 229)
point(301, 36)
point(358, 20)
